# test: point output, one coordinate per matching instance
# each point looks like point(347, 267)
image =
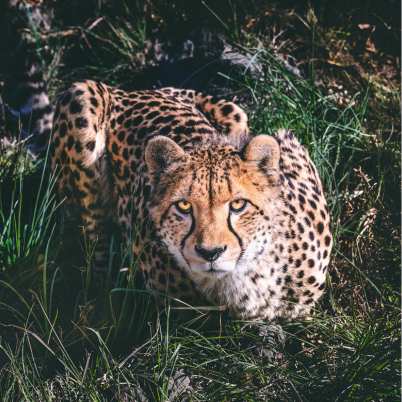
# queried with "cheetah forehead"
point(204, 166)
point(210, 178)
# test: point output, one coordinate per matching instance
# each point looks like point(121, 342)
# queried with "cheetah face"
point(213, 207)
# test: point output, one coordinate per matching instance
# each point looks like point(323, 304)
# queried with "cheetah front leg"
point(78, 155)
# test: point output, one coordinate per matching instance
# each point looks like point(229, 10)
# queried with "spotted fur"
point(208, 210)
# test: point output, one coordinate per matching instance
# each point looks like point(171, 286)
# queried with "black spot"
point(300, 227)
point(78, 147)
point(327, 240)
point(313, 204)
point(94, 102)
point(179, 130)
point(66, 99)
point(244, 298)
point(310, 263)
point(75, 107)
point(298, 263)
point(79, 194)
point(63, 156)
point(115, 148)
point(146, 192)
point(153, 104)
point(81, 122)
point(90, 145)
point(290, 234)
point(90, 173)
point(254, 278)
point(138, 153)
point(288, 279)
point(130, 139)
point(63, 129)
point(311, 215)
point(120, 119)
point(300, 274)
point(126, 175)
point(311, 235)
point(137, 121)
point(70, 142)
point(311, 279)
point(143, 131)
point(293, 209)
point(152, 115)
point(138, 105)
point(165, 130)
point(121, 136)
point(320, 227)
point(227, 109)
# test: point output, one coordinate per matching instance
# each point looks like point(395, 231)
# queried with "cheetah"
point(208, 209)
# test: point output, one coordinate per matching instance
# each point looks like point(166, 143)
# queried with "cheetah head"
point(214, 206)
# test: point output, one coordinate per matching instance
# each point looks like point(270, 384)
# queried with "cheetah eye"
point(238, 205)
point(183, 206)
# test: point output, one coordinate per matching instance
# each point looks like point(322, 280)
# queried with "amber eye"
point(183, 206)
point(238, 205)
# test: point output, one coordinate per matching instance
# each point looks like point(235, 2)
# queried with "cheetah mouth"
point(212, 268)
point(220, 267)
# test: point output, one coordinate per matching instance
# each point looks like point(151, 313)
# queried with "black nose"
point(210, 254)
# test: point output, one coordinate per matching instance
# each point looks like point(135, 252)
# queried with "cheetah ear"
point(161, 152)
point(264, 150)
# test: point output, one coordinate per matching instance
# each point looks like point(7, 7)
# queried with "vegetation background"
point(328, 70)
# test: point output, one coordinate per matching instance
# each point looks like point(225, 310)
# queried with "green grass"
point(65, 336)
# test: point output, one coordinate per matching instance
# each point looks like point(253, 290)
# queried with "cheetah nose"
point(210, 254)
